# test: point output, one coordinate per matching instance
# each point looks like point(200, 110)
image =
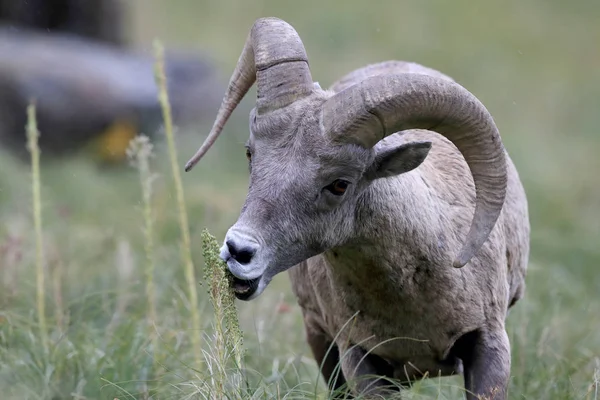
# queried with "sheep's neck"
point(397, 231)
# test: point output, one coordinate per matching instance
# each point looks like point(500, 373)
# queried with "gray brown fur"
point(394, 268)
point(384, 250)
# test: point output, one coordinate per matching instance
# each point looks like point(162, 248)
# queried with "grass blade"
point(163, 97)
point(33, 147)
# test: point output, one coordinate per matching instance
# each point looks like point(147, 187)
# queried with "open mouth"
point(243, 289)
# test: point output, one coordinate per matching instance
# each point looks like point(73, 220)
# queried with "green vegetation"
point(118, 288)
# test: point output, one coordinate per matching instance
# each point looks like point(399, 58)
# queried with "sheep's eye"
point(338, 187)
point(248, 154)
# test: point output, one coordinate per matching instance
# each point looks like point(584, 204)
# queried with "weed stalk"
point(229, 337)
point(163, 97)
point(139, 153)
point(33, 147)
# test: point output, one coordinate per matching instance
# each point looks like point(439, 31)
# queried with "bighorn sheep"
point(364, 193)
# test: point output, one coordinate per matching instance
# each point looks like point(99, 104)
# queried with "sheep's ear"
point(398, 160)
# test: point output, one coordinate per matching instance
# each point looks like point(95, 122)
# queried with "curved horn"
point(381, 105)
point(275, 58)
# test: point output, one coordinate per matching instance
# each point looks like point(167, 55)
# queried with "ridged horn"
point(275, 58)
point(381, 105)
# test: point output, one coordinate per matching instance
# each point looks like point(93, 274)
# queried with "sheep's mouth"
point(244, 289)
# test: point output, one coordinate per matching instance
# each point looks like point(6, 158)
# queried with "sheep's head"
point(311, 153)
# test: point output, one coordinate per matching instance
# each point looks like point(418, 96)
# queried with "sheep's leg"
point(366, 374)
point(486, 360)
point(326, 355)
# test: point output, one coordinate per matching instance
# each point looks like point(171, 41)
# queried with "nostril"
point(242, 255)
point(231, 248)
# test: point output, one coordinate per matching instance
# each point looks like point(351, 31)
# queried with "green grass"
point(535, 66)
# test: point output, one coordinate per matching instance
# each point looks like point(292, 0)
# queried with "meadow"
point(108, 334)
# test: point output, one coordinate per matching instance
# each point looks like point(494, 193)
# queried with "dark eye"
point(248, 154)
point(338, 187)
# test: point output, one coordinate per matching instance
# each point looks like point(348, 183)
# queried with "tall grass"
point(222, 298)
point(32, 146)
point(186, 252)
point(139, 153)
point(228, 341)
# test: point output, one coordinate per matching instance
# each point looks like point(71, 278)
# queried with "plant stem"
point(163, 97)
point(139, 152)
point(32, 145)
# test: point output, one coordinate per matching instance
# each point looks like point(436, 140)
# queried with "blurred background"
point(89, 67)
